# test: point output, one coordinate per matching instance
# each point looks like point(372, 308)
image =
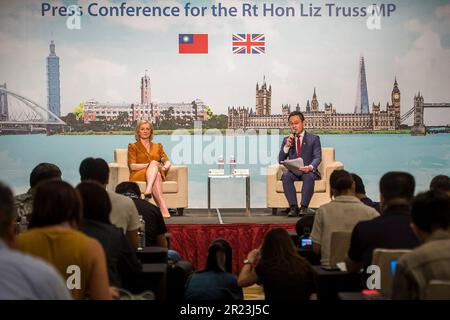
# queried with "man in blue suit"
point(300, 144)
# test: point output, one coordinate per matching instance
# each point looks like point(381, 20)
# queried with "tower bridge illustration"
point(417, 111)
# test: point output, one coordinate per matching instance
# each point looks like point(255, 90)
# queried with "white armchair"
point(275, 192)
point(175, 188)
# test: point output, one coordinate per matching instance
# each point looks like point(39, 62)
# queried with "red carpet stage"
point(191, 235)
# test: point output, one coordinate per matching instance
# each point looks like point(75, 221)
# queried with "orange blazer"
point(138, 154)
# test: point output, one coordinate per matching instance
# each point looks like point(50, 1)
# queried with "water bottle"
point(220, 164)
point(232, 164)
point(141, 233)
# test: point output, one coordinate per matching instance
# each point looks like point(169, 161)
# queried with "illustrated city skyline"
point(361, 105)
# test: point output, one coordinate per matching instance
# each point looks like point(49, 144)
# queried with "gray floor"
point(226, 216)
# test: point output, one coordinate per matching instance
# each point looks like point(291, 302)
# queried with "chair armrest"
point(177, 173)
point(272, 173)
point(329, 168)
point(117, 174)
point(180, 175)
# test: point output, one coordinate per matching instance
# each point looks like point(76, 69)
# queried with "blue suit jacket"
point(311, 151)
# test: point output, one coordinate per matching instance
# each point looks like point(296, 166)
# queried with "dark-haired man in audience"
point(124, 213)
point(42, 172)
point(430, 261)
point(339, 215)
point(360, 193)
point(155, 227)
point(441, 182)
point(23, 277)
point(391, 230)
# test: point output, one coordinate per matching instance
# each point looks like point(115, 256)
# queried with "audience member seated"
point(23, 277)
point(42, 172)
point(441, 182)
point(215, 282)
point(123, 213)
point(53, 236)
point(278, 268)
point(155, 227)
point(178, 273)
point(123, 266)
point(304, 225)
point(360, 193)
point(430, 261)
point(339, 215)
point(391, 230)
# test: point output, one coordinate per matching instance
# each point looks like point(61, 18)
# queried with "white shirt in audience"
point(23, 277)
point(339, 215)
point(123, 213)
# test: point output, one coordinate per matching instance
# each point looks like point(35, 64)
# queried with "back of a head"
point(55, 202)
point(219, 256)
point(44, 171)
point(94, 169)
point(304, 224)
point(7, 212)
point(277, 243)
point(341, 180)
point(397, 185)
point(129, 189)
point(440, 182)
point(431, 211)
point(96, 202)
point(359, 185)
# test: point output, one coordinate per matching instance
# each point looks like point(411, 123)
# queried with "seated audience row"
point(81, 241)
point(55, 212)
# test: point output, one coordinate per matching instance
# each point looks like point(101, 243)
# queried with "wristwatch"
point(246, 261)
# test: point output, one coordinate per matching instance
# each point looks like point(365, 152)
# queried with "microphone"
point(292, 133)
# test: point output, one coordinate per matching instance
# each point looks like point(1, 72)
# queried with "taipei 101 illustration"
point(53, 85)
point(362, 97)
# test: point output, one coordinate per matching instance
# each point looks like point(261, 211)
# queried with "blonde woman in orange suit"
point(148, 162)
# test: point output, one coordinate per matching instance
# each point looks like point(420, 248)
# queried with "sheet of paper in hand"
point(293, 165)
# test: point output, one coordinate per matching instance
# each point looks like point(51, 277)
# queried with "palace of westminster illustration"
point(360, 119)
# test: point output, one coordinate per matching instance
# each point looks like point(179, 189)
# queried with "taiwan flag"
point(192, 43)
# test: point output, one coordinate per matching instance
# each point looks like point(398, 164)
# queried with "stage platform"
point(192, 233)
point(229, 216)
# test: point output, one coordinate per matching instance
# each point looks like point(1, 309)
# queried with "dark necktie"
point(299, 147)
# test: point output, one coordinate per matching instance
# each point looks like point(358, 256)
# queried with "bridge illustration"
point(19, 114)
point(417, 111)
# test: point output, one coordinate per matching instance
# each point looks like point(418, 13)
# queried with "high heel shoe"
point(148, 195)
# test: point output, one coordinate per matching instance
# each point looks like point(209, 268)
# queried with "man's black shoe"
point(303, 211)
point(293, 212)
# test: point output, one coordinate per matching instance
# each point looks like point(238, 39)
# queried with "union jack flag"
point(249, 43)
